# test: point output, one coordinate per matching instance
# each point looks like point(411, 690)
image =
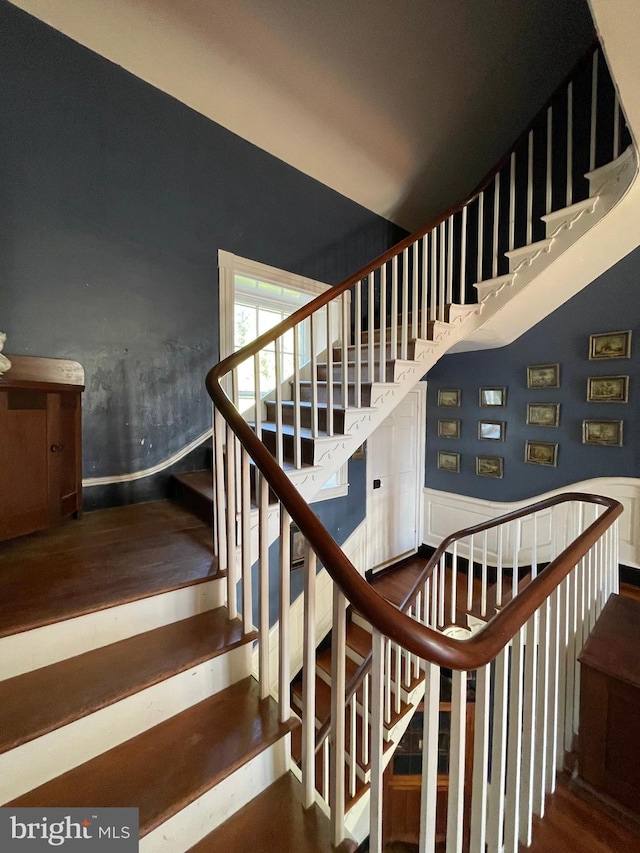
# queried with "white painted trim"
point(148, 472)
point(446, 512)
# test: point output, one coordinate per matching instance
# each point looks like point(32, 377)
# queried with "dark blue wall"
point(114, 201)
point(611, 303)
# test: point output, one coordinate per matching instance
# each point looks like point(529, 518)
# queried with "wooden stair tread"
point(306, 433)
point(102, 560)
point(199, 481)
point(38, 702)
point(274, 821)
point(170, 765)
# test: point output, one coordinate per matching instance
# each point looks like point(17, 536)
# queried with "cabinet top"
point(613, 645)
point(49, 371)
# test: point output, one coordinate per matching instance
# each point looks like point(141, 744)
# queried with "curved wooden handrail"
point(554, 574)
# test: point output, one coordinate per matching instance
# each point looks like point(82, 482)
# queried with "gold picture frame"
point(495, 397)
point(448, 461)
point(449, 397)
point(541, 453)
point(607, 389)
point(449, 428)
point(602, 433)
point(543, 414)
point(543, 376)
point(610, 345)
point(490, 466)
point(492, 430)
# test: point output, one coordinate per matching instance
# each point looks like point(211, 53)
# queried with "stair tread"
point(101, 560)
point(274, 820)
point(287, 429)
point(45, 699)
point(170, 765)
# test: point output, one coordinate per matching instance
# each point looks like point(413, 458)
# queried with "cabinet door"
point(63, 444)
point(24, 496)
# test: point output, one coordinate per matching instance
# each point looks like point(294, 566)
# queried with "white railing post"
point(309, 681)
point(458, 730)
point(337, 746)
point(480, 781)
point(263, 586)
point(429, 790)
point(284, 679)
point(377, 724)
point(247, 586)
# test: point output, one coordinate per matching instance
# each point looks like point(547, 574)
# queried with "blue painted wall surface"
point(610, 303)
point(114, 201)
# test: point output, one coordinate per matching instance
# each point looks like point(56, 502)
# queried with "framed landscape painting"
point(610, 345)
point(489, 466)
point(449, 397)
point(449, 461)
point(449, 428)
point(541, 453)
point(607, 389)
point(602, 433)
point(543, 376)
point(543, 414)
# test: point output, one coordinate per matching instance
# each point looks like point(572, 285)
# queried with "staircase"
point(181, 727)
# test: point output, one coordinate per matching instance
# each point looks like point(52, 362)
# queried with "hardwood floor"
point(107, 557)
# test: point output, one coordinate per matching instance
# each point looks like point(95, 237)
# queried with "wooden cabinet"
point(609, 746)
point(40, 443)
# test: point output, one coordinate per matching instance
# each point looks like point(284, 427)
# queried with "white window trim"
point(228, 266)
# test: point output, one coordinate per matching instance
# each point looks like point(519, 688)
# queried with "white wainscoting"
point(445, 512)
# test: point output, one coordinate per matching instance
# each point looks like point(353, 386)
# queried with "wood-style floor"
point(118, 555)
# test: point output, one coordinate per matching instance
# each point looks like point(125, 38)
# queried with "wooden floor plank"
point(170, 765)
point(38, 702)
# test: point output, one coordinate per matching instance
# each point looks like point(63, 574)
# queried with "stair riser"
point(52, 643)
point(305, 394)
point(306, 417)
point(364, 352)
point(200, 505)
point(46, 757)
point(199, 818)
point(389, 373)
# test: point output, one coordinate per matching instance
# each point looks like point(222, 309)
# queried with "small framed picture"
point(489, 466)
point(541, 453)
point(298, 548)
point(610, 345)
point(449, 461)
point(543, 414)
point(449, 428)
point(543, 376)
point(492, 430)
point(608, 389)
point(493, 397)
point(449, 397)
point(602, 433)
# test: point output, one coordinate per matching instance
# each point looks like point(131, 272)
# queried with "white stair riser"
point(46, 757)
point(187, 827)
point(20, 653)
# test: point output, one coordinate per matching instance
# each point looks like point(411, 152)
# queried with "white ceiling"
point(401, 105)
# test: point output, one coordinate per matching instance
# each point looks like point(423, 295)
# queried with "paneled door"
point(395, 479)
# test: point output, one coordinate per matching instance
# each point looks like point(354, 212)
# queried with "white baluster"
point(514, 757)
point(455, 798)
point(425, 289)
point(338, 667)
point(496, 223)
point(495, 822)
point(450, 261)
point(383, 325)
point(529, 743)
point(569, 191)
point(462, 297)
point(483, 581)
point(247, 587)
point(549, 183)
point(530, 189)
point(297, 423)
point(232, 568)
point(405, 304)
point(554, 677)
point(454, 584)
point(371, 310)
point(314, 375)
point(542, 711)
point(394, 307)
point(479, 790)
point(470, 577)
point(353, 757)
point(594, 112)
point(442, 591)
point(285, 603)
point(415, 300)
point(219, 477)
point(433, 298)
point(309, 681)
point(429, 790)
point(256, 395)
point(397, 687)
point(499, 567)
point(345, 358)
point(480, 235)
point(279, 436)
point(345, 350)
point(358, 341)
point(442, 281)
point(379, 656)
point(263, 585)
point(512, 201)
point(366, 686)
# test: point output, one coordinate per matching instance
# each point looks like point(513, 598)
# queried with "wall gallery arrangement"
point(600, 389)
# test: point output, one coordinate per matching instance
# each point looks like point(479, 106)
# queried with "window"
point(254, 298)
